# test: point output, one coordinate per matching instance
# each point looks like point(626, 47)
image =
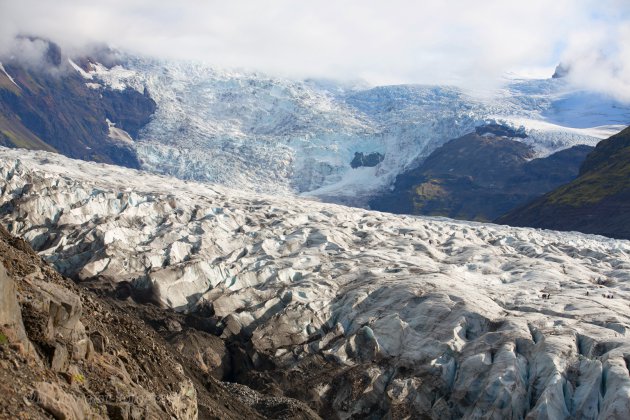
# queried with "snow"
point(9, 76)
point(82, 72)
point(493, 319)
point(115, 78)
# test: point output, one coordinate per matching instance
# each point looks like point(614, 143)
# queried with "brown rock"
point(60, 358)
point(64, 310)
point(99, 341)
point(60, 404)
point(120, 411)
point(10, 314)
point(11, 324)
point(173, 325)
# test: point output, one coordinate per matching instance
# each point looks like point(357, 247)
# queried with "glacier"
point(358, 313)
point(280, 136)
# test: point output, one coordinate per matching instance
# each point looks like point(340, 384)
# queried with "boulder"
point(60, 404)
point(11, 323)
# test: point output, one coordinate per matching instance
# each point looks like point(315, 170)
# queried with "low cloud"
point(467, 43)
point(599, 59)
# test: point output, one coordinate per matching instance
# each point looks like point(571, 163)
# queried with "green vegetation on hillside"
point(598, 201)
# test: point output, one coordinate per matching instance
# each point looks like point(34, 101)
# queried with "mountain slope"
point(47, 105)
point(357, 313)
point(598, 201)
point(479, 177)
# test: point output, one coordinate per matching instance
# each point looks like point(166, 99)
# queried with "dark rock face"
point(479, 177)
point(561, 71)
point(598, 201)
point(500, 131)
point(51, 108)
point(368, 160)
point(130, 109)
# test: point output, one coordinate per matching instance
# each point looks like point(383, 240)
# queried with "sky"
point(469, 43)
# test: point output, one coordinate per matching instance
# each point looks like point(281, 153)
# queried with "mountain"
point(598, 201)
point(337, 142)
point(356, 313)
point(282, 136)
point(45, 104)
point(479, 177)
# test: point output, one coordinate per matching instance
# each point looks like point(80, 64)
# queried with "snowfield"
point(279, 136)
point(382, 314)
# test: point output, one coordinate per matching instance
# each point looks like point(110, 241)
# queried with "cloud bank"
point(469, 43)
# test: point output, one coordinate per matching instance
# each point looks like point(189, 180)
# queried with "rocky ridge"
point(356, 313)
point(66, 354)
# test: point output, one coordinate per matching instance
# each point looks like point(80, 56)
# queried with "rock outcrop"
point(50, 363)
point(356, 313)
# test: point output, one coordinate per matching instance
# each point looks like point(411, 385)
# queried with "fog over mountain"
point(471, 44)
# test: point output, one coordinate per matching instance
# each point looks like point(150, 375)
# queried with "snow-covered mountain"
point(280, 136)
point(358, 313)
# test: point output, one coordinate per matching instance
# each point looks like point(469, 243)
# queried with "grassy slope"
point(12, 131)
point(598, 201)
point(607, 173)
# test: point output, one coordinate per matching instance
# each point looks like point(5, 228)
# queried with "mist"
point(472, 44)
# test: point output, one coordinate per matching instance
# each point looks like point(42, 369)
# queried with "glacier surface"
point(280, 136)
point(376, 314)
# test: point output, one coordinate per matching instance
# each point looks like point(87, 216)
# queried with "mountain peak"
point(561, 71)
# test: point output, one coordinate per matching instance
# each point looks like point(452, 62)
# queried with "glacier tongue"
point(274, 135)
point(374, 314)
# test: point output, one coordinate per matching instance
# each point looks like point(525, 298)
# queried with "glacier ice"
point(379, 314)
point(280, 136)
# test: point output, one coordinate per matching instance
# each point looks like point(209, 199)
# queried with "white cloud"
point(471, 43)
point(599, 59)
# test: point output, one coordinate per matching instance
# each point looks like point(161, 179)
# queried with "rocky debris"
point(69, 354)
point(358, 314)
point(205, 351)
point(73, 380)
point(273, 407)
